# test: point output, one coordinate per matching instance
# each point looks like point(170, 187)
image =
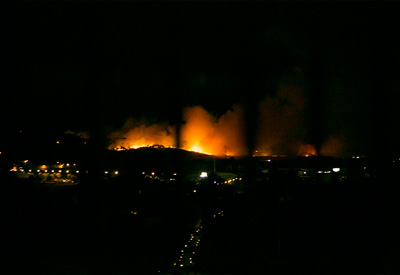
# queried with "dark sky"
point(88, 66)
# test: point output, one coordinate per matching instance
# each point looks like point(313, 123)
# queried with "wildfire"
point(307, 150)
point(135, 134)
point(202, 132)
point(225, 135)
point(206, 133)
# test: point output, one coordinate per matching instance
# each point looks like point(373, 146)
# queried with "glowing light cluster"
point(187, 253)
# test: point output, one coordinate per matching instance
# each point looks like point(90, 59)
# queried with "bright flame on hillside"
point(201, 132)
point(134, 135)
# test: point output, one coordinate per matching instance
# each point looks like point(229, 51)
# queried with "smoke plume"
point(282, 127)
point(136, 134)
point(83, 135)
point(333, 146)
point(224, 135)
point(201, 132)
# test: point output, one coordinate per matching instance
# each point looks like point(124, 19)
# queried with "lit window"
point(203, 175)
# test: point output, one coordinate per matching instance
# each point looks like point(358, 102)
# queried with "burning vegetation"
point(201, 132)
point(281, 130)
point(205, 133)
point(135, 134)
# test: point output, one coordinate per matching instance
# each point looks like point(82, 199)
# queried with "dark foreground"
point(275, 224)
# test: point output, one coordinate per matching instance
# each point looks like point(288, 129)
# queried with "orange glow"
point(205, 133)
point(281, 130)
point(260, 153)
point(333, 146)
point(282, 127)
point(134, 135)
point(307, 150)
point(202, 132)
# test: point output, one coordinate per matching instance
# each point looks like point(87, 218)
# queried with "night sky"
point(89, 66)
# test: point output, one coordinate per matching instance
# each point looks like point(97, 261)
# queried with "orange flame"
point(209, 134)
point(134, 135)
point(202, 132)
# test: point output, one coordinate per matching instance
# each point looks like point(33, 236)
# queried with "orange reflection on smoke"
point(307, 150)
point(209, 134)
point(201, 132)
point(134, 135)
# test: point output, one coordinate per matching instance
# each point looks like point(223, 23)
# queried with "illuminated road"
point(188, 252)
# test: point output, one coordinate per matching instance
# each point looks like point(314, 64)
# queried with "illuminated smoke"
point(83, 135)
point(307, 150)
point(333, 146)
point(203, 132)
point(282, 128)
point(135, 134)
